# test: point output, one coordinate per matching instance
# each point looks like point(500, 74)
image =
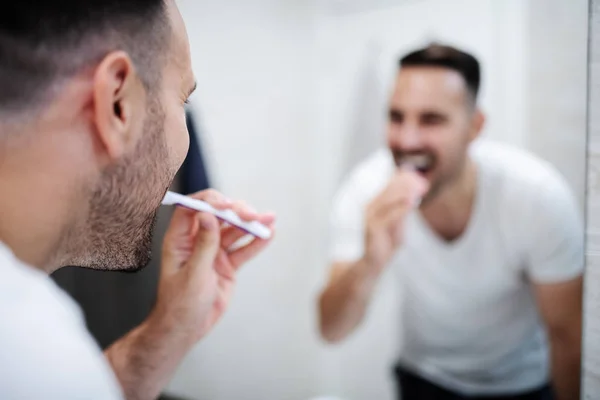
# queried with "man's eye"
point(396, 117)
point(432, 119)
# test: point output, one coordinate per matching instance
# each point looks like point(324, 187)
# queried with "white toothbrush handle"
point(253, 227)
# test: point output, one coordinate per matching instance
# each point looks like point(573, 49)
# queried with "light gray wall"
point(556, 59)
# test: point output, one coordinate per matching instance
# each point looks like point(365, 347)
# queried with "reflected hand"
point(385, 215)
point(199, 265)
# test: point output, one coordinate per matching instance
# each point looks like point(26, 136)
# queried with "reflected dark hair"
point(438, 55)
point(43, 43)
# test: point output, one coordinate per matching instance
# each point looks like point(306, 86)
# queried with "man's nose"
point(407, 137)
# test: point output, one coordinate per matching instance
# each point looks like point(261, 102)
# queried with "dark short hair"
point(438, 55)
point(45, 42)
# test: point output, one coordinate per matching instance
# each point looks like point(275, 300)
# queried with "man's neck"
point(35, 207)
point(449, 213)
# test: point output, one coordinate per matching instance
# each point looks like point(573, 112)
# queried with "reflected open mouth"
point(422, 163)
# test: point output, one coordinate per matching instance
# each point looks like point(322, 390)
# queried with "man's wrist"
point(145, 359)
point(162, 327)
point(366, 276)
point(369, 268)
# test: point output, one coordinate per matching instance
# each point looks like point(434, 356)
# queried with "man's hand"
point(344, 301)
point(198, 273)
point(199, 267)
point(385, 215)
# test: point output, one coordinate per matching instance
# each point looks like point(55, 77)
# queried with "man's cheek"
point(178, 141)
point(185, 144)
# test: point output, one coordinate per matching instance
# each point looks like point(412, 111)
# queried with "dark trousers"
point(413, 387)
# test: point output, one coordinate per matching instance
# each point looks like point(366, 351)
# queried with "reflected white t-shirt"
point(46, 351)
point(469, 320)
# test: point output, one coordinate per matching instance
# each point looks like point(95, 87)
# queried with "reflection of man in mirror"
point(484, 241)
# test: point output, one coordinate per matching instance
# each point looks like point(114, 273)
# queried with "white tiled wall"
point(591, 349)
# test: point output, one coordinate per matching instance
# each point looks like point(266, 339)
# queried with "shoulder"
point(24, 288)
point(45, 348)
point(519, 175)
point(367, 178)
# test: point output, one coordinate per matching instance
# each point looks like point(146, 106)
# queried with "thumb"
point(420, 189)
point(206, 244)
point(422, 186)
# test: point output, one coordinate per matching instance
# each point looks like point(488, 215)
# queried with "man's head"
point(96, 89)
point(433, 115)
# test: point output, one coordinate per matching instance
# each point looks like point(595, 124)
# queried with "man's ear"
point(477, 124)
point(119, 104)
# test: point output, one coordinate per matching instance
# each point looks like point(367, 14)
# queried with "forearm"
point(344, 302)
point(566, 368)
point(146, 358)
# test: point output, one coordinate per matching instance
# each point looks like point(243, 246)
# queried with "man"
point(485, 242)
point(92, 131)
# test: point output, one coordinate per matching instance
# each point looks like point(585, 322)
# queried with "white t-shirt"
point(469, 319)
point(46, 351)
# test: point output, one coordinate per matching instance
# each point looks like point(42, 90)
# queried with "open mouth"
point(422, 163)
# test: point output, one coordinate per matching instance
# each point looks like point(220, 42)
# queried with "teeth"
point(420, 161)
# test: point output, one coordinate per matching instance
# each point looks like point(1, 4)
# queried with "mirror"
point(533, 91)
point(292, 97)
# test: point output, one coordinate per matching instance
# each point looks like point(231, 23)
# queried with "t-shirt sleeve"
point(556, 242)
point(46, 352)
point(346, 223)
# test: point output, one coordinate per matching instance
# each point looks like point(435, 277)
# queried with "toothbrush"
point(254, 228)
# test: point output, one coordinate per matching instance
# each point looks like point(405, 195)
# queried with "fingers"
point(382, 209)
point(405, 188)
point(182, 223)
point(406, 183)
point(241, 208)
point(214, 198)
point(231, 234)
point(244, 254)
point(178, 243)
point(193, 238)
point(244, 211)
point(385, 215)
point(267, 218)
point(387, 218)
point(408, 169)
point(206, 245)
point(394, 225)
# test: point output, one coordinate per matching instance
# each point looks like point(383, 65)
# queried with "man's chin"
point(117, 257)
point(132, 269)
point(116, 265)
point(141, 256)
point(140, 260)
